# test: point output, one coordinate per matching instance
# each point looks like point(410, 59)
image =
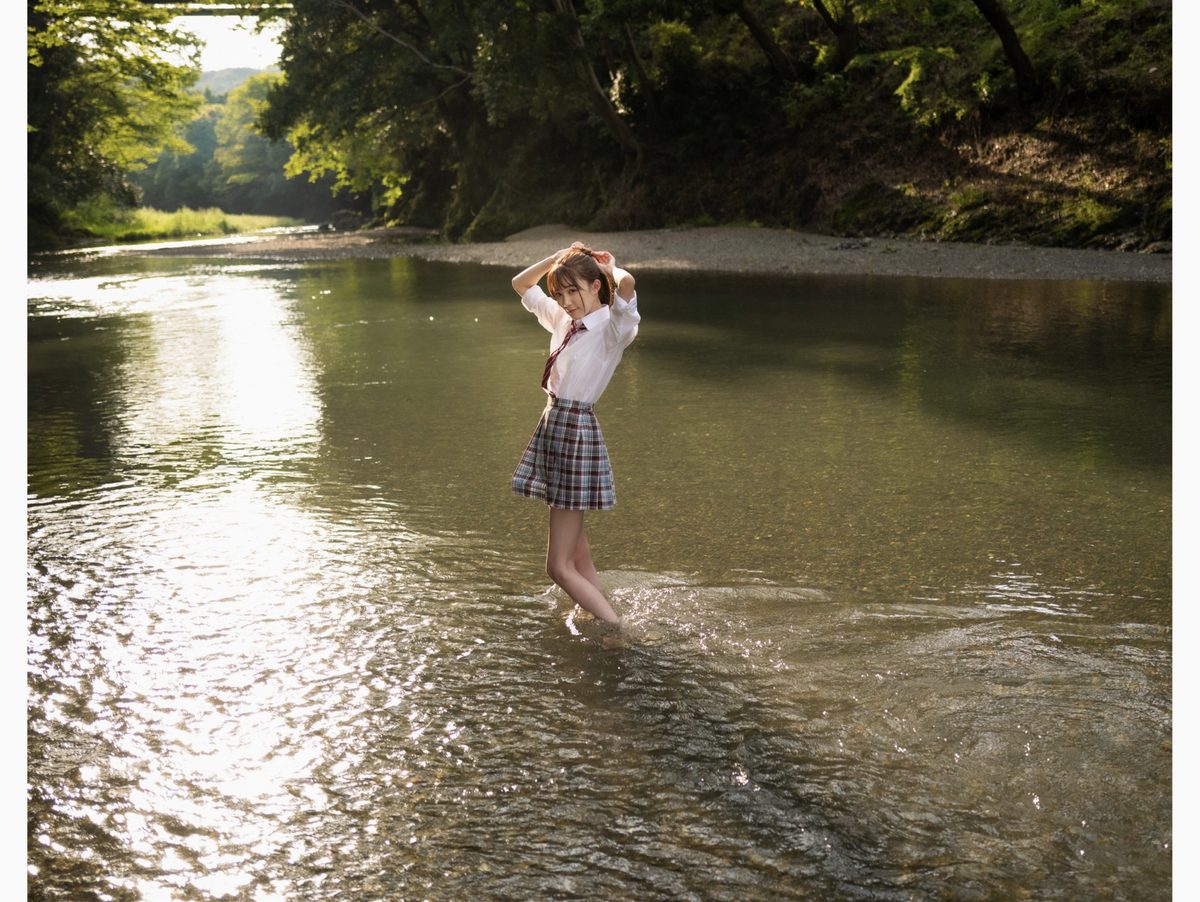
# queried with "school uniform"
point(566, 462)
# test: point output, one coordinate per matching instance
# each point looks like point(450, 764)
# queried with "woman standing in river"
point(566, 462)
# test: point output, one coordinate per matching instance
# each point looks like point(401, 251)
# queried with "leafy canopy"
point(108, 87)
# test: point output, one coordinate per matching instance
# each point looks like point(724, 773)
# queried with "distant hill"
point(222, 81)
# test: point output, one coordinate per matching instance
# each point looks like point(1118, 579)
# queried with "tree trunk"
point(640, 69)
point(774, 53)
point(1027, 81)
point(845, 29)
point(617, 126)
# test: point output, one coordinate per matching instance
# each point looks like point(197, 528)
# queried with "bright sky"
point(230, 42)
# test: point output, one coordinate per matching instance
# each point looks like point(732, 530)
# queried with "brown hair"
point(579, 268)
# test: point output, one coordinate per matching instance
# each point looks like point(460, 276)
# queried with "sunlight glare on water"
point(893, 557)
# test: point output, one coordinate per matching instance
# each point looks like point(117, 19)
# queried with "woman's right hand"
point(606, 262)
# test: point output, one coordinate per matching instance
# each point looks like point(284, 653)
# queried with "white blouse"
point(585, 366)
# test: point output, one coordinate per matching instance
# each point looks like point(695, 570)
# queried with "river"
point(895, 557)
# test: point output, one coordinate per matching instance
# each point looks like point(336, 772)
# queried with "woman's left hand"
point(606, 261)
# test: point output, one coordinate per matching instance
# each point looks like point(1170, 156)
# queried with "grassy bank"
point(108, 223)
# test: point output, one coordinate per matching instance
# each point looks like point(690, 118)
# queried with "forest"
point(1042, 121)
point(229, 163)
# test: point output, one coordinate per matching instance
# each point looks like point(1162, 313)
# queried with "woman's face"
point(578, 299)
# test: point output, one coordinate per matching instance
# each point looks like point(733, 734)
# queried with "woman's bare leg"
point(566, 531)
point(583, 562)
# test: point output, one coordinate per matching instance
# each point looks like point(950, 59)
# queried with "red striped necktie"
point(576, 326)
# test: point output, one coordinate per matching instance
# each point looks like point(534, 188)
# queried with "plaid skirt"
point(566, 462)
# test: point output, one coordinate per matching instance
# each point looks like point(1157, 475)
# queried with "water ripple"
point(289, 636)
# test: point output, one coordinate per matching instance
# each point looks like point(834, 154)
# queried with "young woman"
point(566, 463)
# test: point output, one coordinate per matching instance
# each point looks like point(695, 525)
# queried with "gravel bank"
point(717, 249)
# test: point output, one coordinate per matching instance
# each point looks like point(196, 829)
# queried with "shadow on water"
point(1000, 356)
point(842, 746)
point(69, 425)
point(719, 776)
point(644, 771)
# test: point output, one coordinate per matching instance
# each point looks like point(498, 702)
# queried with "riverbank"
point(100, 223)
point(715, 249)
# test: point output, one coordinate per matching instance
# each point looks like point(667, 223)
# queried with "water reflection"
point(897, 577)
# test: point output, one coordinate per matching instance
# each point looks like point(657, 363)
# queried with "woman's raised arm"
point(527, 278)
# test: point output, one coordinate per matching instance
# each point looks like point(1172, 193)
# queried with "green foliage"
point(507, 81)
point(359, 166)
point(485, 116)
point(371, 98)
point(104, 219)
point(231, 164)
point(926, 93)
point(675, 52)
point(249, 162)
point(482, 117)
point(185, 178)
point(1083, 216)
point(103, 99)
point(805, 103)
point(876, 208)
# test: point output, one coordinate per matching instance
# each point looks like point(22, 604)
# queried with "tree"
point(232, 165)
point(248, 160)
point(838, 15)
point(486, 116)
point(596, 93)
point(1027, 80)
point(369, 93)
point(251, 174)
point(185, 178)
point(429, 92)
point(103, 99)
point(784, 67)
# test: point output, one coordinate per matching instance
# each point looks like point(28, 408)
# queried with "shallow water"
point(894, 553)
